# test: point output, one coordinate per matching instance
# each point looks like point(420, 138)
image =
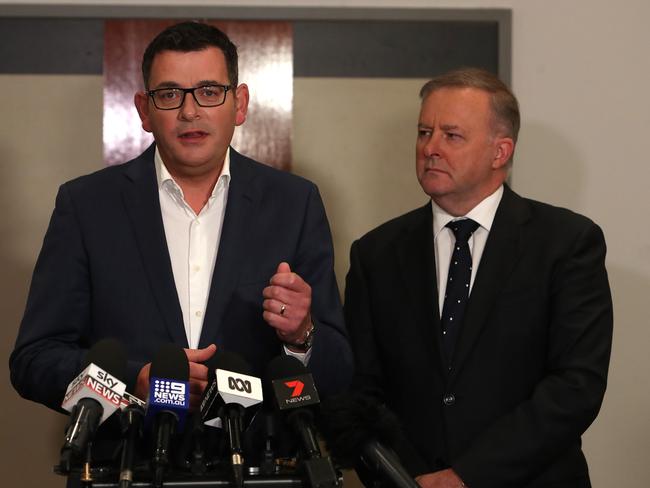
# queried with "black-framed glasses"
point(205, 96)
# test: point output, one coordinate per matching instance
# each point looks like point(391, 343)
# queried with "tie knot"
point(463, 229)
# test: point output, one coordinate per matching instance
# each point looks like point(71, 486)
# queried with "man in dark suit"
point(190, 243)
point(495, 376)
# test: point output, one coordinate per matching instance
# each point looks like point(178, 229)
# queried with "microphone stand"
point(233, 424)
point(132, 419)
point(164, 431)
point(86, 475)
point(267, 464)
point(319, 470)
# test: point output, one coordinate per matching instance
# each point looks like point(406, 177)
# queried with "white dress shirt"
point(444, 240)
point(192, 241)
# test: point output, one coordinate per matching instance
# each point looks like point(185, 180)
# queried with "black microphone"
point(132, 420)
point(168, 403)
point(296, 397)
point(357, 428)
point(271, 429)
point(91, 398)
point(230, 391)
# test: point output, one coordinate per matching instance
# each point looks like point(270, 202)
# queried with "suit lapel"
point(416, 258)
point(501, 254)
point(233, 248)
point(142, 205)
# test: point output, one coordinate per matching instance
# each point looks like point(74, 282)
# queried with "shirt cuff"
point(303, 357)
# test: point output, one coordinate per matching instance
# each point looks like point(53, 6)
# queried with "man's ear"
point(141, 102)
point(504, 147)
point(241, 103)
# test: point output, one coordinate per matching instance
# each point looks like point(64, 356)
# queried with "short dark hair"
point(505, 107)
point(188, 37)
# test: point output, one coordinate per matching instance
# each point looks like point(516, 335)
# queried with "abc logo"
point(239, 384)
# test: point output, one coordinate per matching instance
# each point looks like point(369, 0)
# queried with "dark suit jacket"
point(531, 359)
point(104, 271)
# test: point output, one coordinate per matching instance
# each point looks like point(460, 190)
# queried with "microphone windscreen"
point(283, 367)
point(229, 361)
point(170, 362)
point(110, 355)
point(349, 421)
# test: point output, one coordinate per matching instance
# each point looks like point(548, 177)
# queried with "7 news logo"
point(297, 386)
point(295, 391)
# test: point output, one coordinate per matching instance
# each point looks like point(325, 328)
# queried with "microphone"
point(132, 417)
point(168, 403)
point(271, 429)
point(357, 428)
point(92, 397)
point(231, 390)
point(296, 397)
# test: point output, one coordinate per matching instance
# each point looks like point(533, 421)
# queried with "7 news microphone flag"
point(296, 397)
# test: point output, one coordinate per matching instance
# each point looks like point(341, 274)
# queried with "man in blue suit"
point(483, 319)
point(190, 243)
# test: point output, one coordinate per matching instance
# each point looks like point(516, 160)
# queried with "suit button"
point(449, 399)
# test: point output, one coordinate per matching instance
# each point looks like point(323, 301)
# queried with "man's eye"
point(452, 135)
point(168, 95)
point(423, 133)
point(210, 91)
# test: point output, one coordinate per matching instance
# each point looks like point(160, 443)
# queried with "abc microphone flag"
point(229, 384)
point(229, 393)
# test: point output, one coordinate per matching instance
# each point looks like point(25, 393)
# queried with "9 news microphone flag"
point(169, 401)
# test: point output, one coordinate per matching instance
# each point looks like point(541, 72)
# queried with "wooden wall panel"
point(265, 64)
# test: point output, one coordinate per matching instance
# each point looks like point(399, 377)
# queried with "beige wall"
point(581, 72)
point(50, 132)
point(355, 139)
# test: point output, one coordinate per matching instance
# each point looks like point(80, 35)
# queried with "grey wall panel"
point(393, 49)
point(51, 46)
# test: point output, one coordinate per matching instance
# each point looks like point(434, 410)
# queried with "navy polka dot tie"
point(458, 280)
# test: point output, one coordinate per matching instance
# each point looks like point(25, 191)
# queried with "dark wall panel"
point(51, 46)
point(402, 49)
point(391, 49)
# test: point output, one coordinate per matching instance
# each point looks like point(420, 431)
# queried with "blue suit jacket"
point(104, 271)
point(530, 364)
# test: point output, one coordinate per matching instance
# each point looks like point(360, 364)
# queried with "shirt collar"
point(483, 213)
point(165, 179)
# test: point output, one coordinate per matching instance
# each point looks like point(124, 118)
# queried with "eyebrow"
point(450, 127)
point(173, 84)
point(445, 127)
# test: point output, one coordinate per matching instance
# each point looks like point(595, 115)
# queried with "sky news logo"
point(167, 392)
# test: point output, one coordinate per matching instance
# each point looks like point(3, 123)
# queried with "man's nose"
point(190, 109)
point(432, 146)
